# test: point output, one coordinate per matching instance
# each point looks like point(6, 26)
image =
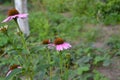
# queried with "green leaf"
point(82, 69)
point(3, 40)
point(13, 73)
point(107, 62)
point(85, 59)
point(98, 59)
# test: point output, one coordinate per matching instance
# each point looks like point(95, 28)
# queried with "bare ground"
point(113, 71)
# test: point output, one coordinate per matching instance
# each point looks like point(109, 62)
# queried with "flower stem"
point(27, 56)
point(31, 77)
point(22, 38)
point(49, 61)
point(66, 77)
point(61, 64)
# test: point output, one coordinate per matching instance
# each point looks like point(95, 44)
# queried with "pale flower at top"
point(14, 14)
point(4, 29)
point(60, 44)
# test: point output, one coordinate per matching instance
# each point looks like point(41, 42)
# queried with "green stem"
point(27, 56)
point(61, 64)
point(66, 77)
point(31, 77)
point(49, 61)
point(22, 38)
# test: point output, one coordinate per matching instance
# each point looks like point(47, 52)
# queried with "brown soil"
point(113, 71)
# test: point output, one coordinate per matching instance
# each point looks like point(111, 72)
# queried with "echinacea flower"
point(12, 68)
point(60, 44)
point(4, 29)
point(14, 14)
point(48, 43)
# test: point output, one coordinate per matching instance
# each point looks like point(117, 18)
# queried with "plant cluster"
point(50, 58)
point(110, 11)
point(46, 53)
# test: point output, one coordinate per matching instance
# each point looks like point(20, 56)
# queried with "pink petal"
point(14, 16)
point(8, 73)
point(65, 47)
point(22, 15)
point(61, 47)
point(57, 48)
point(19, 67)
point(50, 46)
point(67, 44)
point(7, 19)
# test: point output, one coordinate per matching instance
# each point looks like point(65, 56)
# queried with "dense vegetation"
point(78, 22)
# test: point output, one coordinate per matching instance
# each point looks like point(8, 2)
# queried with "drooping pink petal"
point(50, 46)
point(61, 47)
point(15, 16)
point(67, 44)
point(19, 67)
point(57, 48)
point(22, 15)
point(7, 19)
point(8, 73)
point(12, 70)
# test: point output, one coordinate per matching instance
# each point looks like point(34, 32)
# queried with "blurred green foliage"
point(107, 12)
point(110, 11)
point(48, 18)
point(3, 1)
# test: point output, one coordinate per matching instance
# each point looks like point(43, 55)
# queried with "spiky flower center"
point(12, 12)
point(14, 66)
point(58, 41)
point(47, 41)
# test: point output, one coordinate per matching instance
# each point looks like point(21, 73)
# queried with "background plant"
point(74, 22)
